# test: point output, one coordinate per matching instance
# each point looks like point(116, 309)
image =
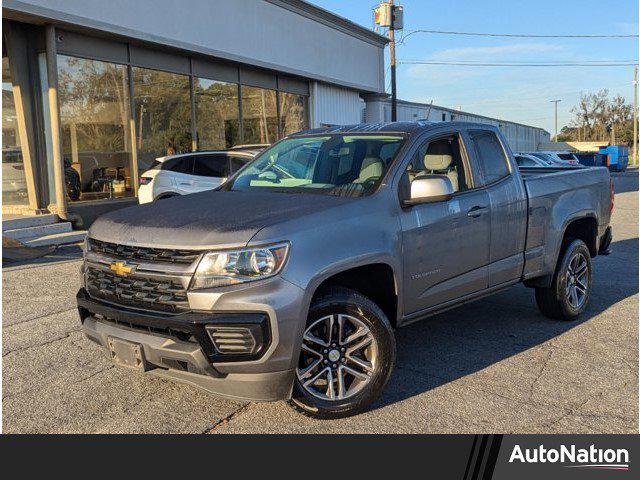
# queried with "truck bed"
point(555, 197)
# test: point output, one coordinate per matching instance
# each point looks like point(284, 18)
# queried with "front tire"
point(348, 353)
point(569, 293)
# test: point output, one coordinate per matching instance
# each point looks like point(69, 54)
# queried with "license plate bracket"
point(127, 354)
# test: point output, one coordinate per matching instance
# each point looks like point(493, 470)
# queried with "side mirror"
point(429, 189)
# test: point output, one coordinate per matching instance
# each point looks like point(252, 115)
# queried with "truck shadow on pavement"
point(460, 342)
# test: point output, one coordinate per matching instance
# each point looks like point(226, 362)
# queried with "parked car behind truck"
point(192, 172)
point(289, 280)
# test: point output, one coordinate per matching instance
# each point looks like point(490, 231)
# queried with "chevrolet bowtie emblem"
point(120, 268)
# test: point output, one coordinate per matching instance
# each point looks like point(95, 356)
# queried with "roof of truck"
point(390, 127)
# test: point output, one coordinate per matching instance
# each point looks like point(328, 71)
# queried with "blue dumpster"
point(617, 157)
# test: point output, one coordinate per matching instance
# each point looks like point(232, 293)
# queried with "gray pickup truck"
point(288, 281)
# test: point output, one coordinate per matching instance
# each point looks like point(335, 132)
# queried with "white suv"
point(190, 173)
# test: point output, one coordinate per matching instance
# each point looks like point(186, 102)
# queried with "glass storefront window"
point(94, 118)
point(14, 185)
point(293, 113)
point(162, 115)
point(216, 114)
point(259, 115)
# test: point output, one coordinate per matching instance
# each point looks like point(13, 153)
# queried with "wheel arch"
point(376, 280)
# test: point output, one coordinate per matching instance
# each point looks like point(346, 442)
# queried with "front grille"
point(143, 254)
point(166, 295)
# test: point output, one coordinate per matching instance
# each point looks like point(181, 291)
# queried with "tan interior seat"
point(439, 161)
point(371, 168)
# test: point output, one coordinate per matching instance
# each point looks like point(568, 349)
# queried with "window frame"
point(209, 156)
point(478, 161)
point(174, 161)
point(470, 173)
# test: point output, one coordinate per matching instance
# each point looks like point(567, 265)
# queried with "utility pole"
point(392, 58)
point(556, 116)
point(635, 116)
point(391, 16)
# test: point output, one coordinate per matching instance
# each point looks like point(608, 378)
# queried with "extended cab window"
point(491, 156)
point(211, 166)
point(442, 156)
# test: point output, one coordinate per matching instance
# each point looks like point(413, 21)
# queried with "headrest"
point(438, 156)
point(371, 167)
point(437, 162)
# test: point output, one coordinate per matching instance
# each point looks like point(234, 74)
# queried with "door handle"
point(475, 212)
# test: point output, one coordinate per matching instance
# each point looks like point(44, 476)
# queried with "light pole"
point(635, 116)
point(556, 116)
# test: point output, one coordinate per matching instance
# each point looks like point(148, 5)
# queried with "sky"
point(520, 94)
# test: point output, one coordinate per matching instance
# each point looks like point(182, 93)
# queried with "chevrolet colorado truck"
point(288, 281)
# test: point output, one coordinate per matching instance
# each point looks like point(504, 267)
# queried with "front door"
point(445, 244)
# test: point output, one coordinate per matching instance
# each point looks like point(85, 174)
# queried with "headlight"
point(217, 269)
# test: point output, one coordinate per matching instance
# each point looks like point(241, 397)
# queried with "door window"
point(181, 165)
point(491, 156)
point(237, 163)
point(211, 166)
point(442, 156)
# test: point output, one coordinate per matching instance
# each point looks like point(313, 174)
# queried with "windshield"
point(341, 165)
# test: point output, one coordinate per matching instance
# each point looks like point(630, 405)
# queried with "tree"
point(597, 117)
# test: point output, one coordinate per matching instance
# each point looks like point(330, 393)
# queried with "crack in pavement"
point(29, 347)
point(573, 410)
point(519, 401)
point(225, 420)
point(539, 375)
point(42, 387)
point(38, 317)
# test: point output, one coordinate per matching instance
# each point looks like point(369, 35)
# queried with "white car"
point(528, 160)
point(192, 172)
point(558, 158)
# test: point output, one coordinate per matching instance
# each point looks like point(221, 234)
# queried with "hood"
point(215, 219)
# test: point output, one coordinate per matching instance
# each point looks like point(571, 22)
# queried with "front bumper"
point(177, 347)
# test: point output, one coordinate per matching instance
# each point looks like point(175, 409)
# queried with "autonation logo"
point(591, 458)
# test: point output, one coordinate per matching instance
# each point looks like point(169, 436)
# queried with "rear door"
point(181, 169)
point(508, 207)
point(210, 170)
point(445, 244)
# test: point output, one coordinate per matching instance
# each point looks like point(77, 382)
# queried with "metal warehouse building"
point(521, 138)
point(106, 87)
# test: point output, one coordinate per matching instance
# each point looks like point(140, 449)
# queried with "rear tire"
point(357, 374)
point(569, 293)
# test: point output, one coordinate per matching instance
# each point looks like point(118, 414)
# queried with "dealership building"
point(106, 87)
point(98, 90)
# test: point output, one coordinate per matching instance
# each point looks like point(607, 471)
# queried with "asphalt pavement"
point(496, 365)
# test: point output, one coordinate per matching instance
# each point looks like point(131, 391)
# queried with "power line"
point(527, 62)
point(512, 35)
point(586, 63)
